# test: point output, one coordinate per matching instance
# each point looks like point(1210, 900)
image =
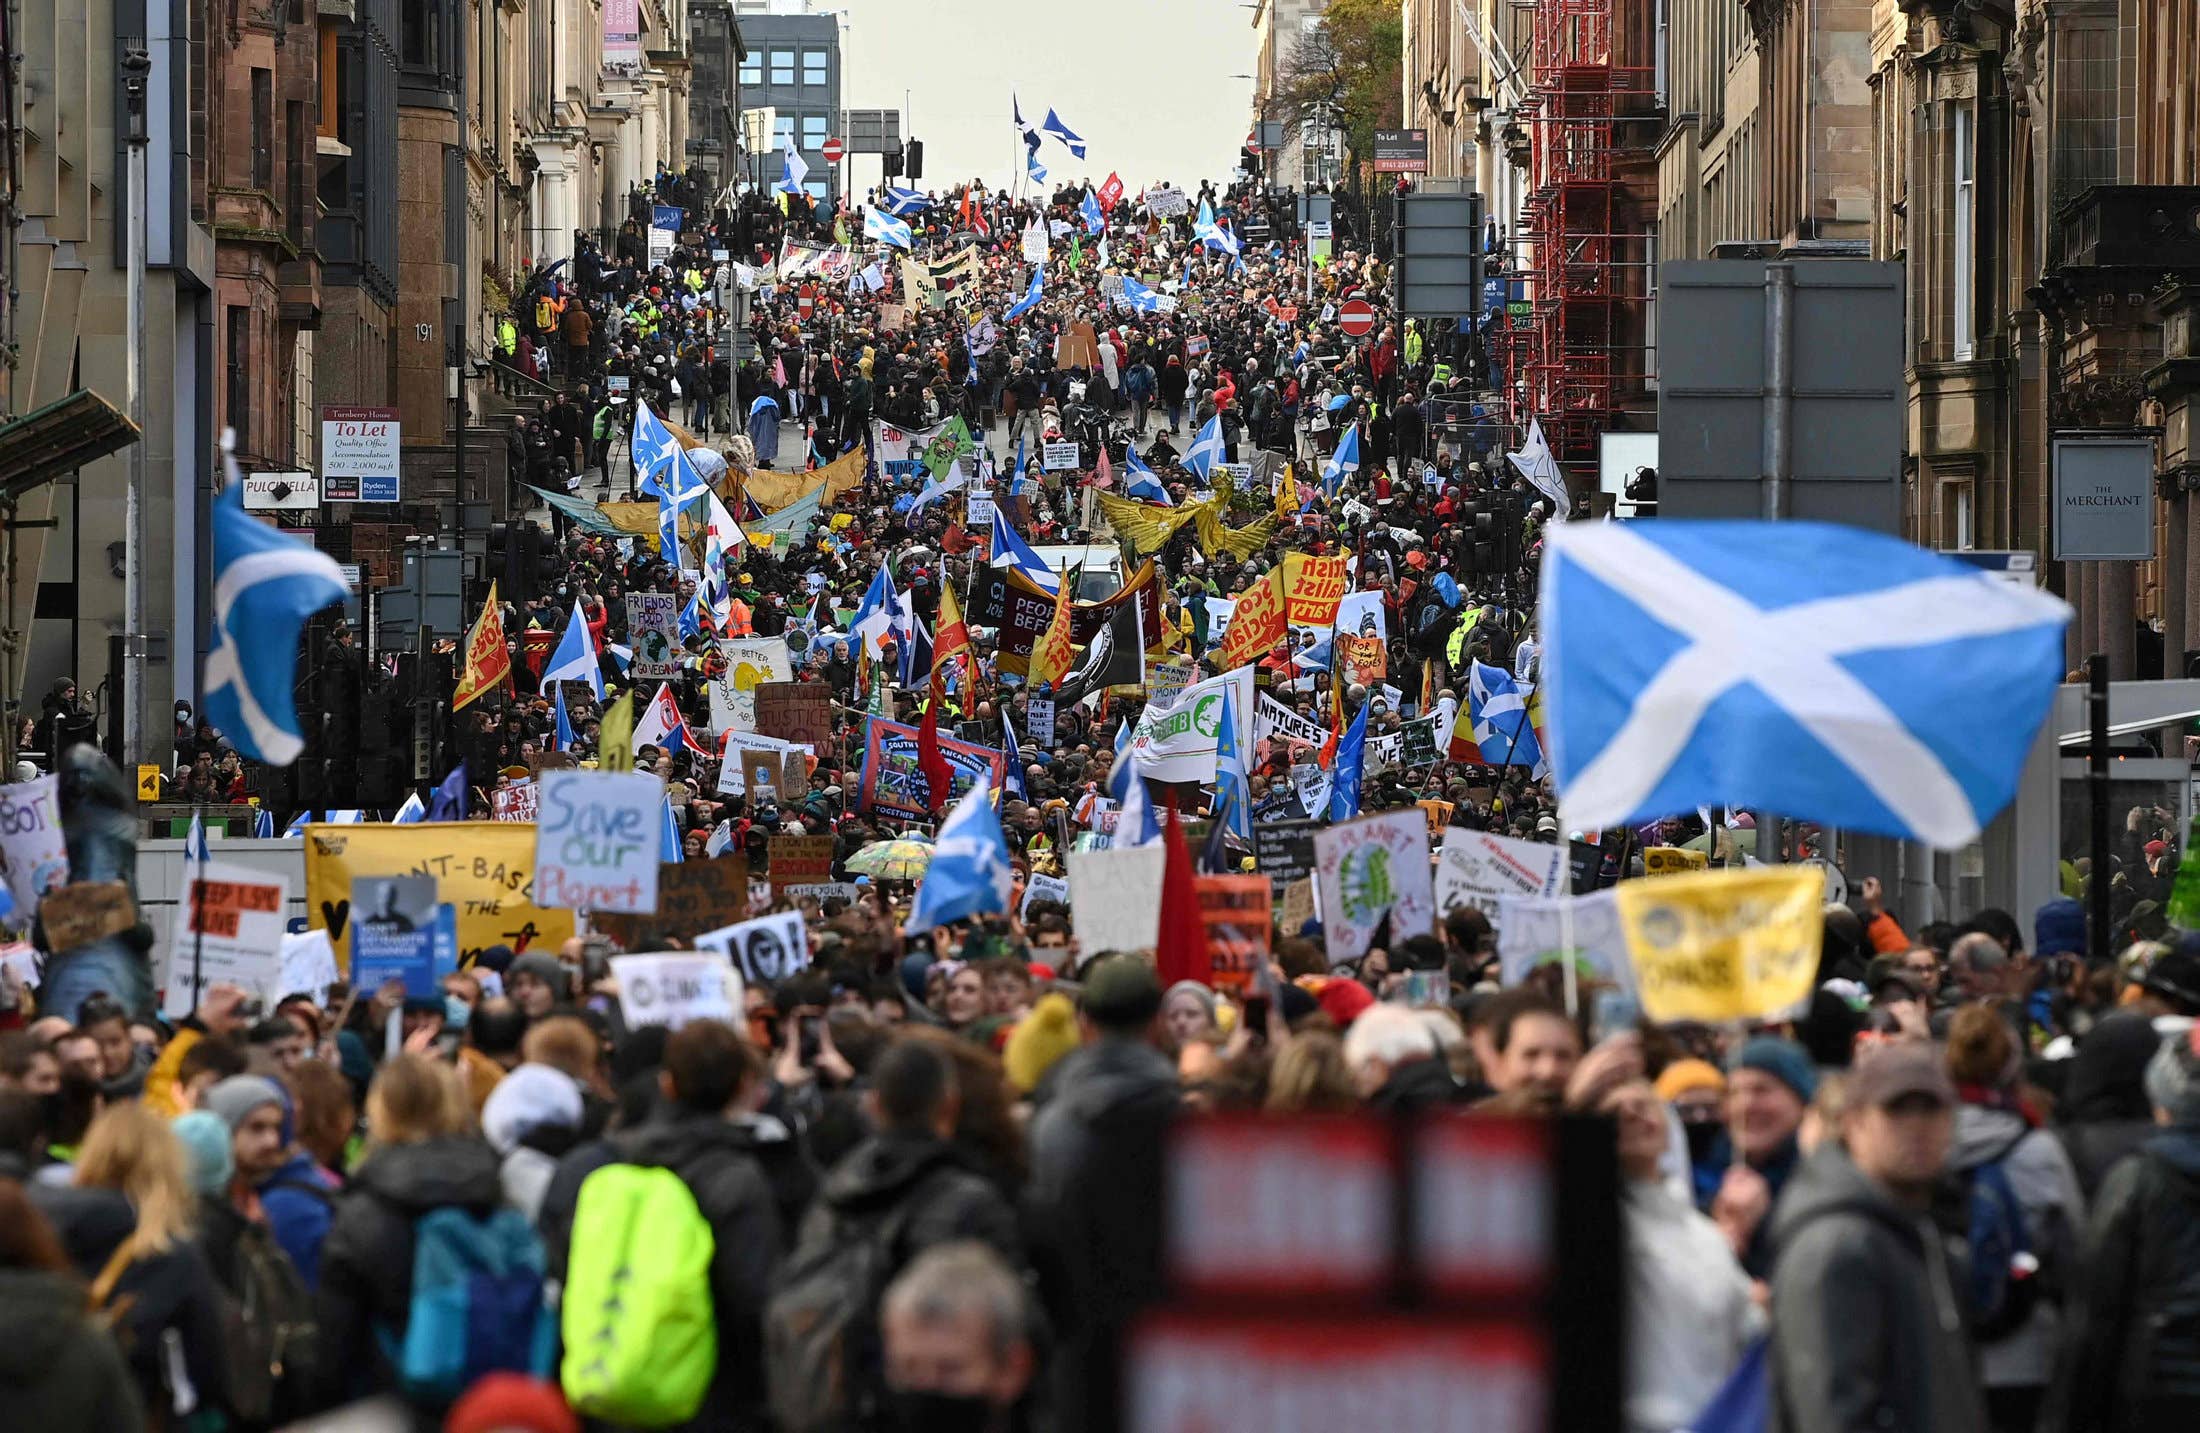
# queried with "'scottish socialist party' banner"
point(484, 869)
point(892, 781)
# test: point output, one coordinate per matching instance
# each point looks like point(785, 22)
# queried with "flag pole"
point(197, 898)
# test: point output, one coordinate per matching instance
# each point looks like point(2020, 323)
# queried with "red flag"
point(1109, 193)
point(938, 780)
point(1180, 951)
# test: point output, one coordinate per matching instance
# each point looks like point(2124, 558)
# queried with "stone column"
point(2119, 639)
point(2175, 598)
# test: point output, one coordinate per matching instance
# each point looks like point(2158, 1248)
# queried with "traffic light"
point(892, 160)
point(1470, 520)
point(913, 159)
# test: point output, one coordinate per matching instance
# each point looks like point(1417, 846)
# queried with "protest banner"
point(399, 932)
point(306, 965)
point(1257, 624)
point(484, 869)
point(1439, 819)
point(1370, 868)
point(1039, 721)
point(1533, 932)
point(1165, 201)
point(515, 802)
point(1177, 742)
point(1283, 851)
point(653, 631)
point(823, 891)
point(597, 841)
point(1672, 861)
point(799, 861)
point(228, 931)
point(1112, 893)
point(750, 663)
point(892, 782)
point(978, 512)
point(673, 988)
point(32, 848)
point(798, 712)
point(1297, 906)
point(1477, 869)
point(1724, 945)
point(1022, 610)
point(768, 948)
point(1312, 588)
point(691, 896)
point(1059, 457)
point(1273, 719)
point(1043, 888)
point(77, 914)
point(1166, 681)
point(1236, 911)
point(732, 776)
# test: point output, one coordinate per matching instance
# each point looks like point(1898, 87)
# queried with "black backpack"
point(824, 1357)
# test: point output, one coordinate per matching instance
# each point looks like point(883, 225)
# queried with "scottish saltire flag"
point(1140, 299)
point(263, 825)
point(448, 801)
point(1343, 463)
point(941, 487)
point(677, 489)
point(1206, 450)
point(1213, 235)
point(721, 836)
point(1029, 135)
point(575, 659)
point(1233, 796)
point(691, 616)
point(915, 640)
point(298, 824)
point(1882, 688)
point(1497, 728)
point(349, 817)
point(194, 840)
point(877, 613)
point(266, 584)
point(669, 848)
point(886, 229)
point(1344, 782)
point(1034, 168)
point(1053, 125)
point(654, 449)
point(1013, 766)
point(561, 733)
point(904, 203)
point(1009, 550)
point(1136, 822)
point(413, 810)
point(1031, 296)
point(1089, 211)
point(797, 170)
point(1141, 482)
point(969, 874)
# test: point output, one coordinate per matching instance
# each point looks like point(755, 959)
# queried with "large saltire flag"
point(969, 874)
point(488, 661)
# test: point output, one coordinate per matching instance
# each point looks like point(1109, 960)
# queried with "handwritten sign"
point(597, 840)
point(692, 896)
point(675, 988)
point(1235, 911)
point(750, 663)
point(653, 631)
point(32, 848)
point(228, 931)
point(1059, 457)
point(1039, 721)
point(306, 965)
point(1370, 868)
point(516, 802)
point(1480, 870)
point(483, 869)
point(800, 712)
point(1166, 681)
point(800, 861)
point(768, 948)
point(76, 915)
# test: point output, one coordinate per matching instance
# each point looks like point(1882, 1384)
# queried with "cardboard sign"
point(978, 512)
point(653, 631)
point(750, 663)
point(1235, 910)
point(800, 712)
point(800, 861)
point(733, 777)
point(228, 931)
point(692, 896)
point(822, 891)
point(1059, 457)
point(676, 987)
point(1043, 888)
point(1166, 681)
point(1166, 202)
point(1439, 817)
point(1724, 945)
point(1117, 898)
point(1039, 721)
point(1672, 861)
point(1370, 868)
point(516, 802)
point(1532, 932)
point(399, 932)
point(597, 841)
point(1478, 869)
point(774, 776)
point(32, 849)
point(1297, 907)
point(766, 949)
point(76, 915)
point(485, 870)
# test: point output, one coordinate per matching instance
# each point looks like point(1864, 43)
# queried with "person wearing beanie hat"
point(293, 1195)
point(531, 1119)
point(1040, 1040)
point(208, 1162)
point(536, 983)
point(1188, 1010)
point(1686, 1084)
point(1343, 1000)
point(511, 1403)
point(1737, 1180)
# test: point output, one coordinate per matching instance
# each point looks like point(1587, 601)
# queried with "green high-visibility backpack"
point(641, 1336)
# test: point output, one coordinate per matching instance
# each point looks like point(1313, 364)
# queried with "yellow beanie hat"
point(1045, 1035)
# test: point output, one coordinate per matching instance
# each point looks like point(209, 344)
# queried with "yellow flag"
point(488, 662)
point(615, 736)
point(1056, 648)
point(1287, 496)
point(1724, 945)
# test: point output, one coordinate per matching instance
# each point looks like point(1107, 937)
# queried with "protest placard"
point(515, 802)
point(597, 840)
point(1235, 910)
point(1370, 868)
point(1114, 895)
point(1298, 906)
point(1039, 721)
point(653, 631)
point(1439, 818)
point(797, 712)
point(691, 896)
point(1059, 457)
point(768, 948)
point(978, 514)
point(800, 861)
point(1672, 861)
point(1044, 888)
point(77, 914)
point(1283, 851)
point(483, 869)
point(306, 965)
point(672, 988)
point(732, 776)
point(228, 931)
point(1166, 681)
point(822, 891)
point(1534, 932)
point(32, 848)
point(771, 776)
point(1165, 201)
point(750, 663)
point(892, 780)
point(400, 932)
point(1724, 945)
point(1478, 869)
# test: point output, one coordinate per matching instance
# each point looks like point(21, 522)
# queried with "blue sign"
point(419, 955)
point(667, 216)
point(378, 488)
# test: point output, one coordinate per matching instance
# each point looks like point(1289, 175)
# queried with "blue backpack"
point(2002, 1284)
point(477, 1304)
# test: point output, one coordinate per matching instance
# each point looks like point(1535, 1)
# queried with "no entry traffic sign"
point(832, 151)
point(1356, 317)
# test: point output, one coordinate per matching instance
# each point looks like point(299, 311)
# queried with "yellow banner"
point(488, 661)
point(485, 869)
point(1724, 945)
point(1672, 861)
point(1313, 589)
point(1258, 623)
point(775, 491)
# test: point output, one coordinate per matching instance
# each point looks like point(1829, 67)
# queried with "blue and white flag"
point(1343, 463)
point(915, 642)
point(1136, 822)
point(1013, 765)
point(721, 836)
point(1031, 296)
point(886, 229)
point(448, 801)
point(1207, 450)
point(412, 811)
point(938, 488)
point(797, 170)
point(1344, 782)
point(1033, 168)
point(969, 874)
point(575, 659)
point(669, 848)
point(654, 449)
point(1140, 299)
point(878, 612)
point(1053, 125)
point(1233, 795)
point(1024, 130)
point(1009, 550)
point(1499, 719)
point(561, 733)
point(266, 584)
point(1089, 211)
point(1213, 235)
point(676, 488)
point(263, 825)
point(298, 823)
point(194, 840)
point(905, 203)
point(1141, 482)
point(1883, 689)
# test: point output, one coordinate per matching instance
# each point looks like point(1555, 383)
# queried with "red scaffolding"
point(1581, 274)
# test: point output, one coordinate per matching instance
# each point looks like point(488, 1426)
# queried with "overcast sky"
point(1145, 82)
